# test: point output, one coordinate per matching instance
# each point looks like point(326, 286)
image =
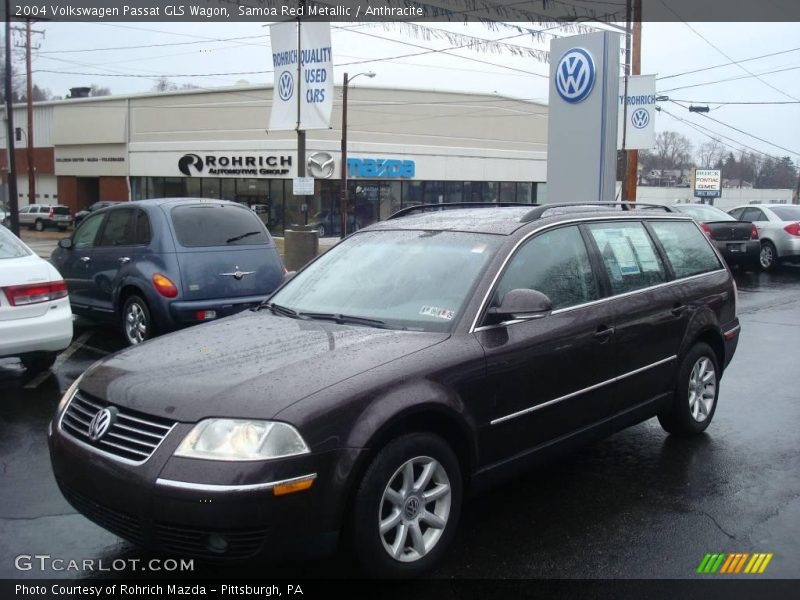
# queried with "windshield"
point(705, 213)
point(217, 225)
point(417, 280)
point(10, 246)
point(787, 213)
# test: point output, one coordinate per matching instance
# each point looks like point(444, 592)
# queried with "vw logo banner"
point(641, 132)
point(314, 90)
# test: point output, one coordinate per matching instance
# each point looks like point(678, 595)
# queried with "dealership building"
point(405, 147)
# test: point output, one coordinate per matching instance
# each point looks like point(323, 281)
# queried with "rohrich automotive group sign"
point(708, 183)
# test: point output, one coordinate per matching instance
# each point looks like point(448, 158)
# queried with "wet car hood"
point(251, 365)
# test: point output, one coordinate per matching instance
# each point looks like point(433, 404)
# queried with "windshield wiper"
point(240, 237)
point(342, 319)
point(277, 309)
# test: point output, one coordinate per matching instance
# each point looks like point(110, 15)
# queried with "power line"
point(737, 78)
point(727, 64)
point(755, 137)
point(715, 47)
point(723, 103)
point(144, 46)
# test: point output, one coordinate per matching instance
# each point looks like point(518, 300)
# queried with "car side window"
point(87, 232)
point(630, 259)
point(687, 248)
point(555, 263)
point(119, 229)
point(753, 214)
point(142, 228)
point(736, 213)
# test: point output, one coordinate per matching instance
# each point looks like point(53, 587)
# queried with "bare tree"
point(99, 91)
point(672, 150)
point(164, 85)
point(709, 154)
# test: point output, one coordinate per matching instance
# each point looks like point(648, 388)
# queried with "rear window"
point(705, 213)
point(787, 213)
point(204, 225)
point(10, 246)
point(687, 248)
point(60, 210)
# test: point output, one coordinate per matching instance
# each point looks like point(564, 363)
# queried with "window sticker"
point(439, 313)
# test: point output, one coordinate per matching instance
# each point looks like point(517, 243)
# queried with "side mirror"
point(521, 304)
point(65, 243)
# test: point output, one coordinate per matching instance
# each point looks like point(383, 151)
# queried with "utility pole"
point(632, 160)
point(13, 200)
point(625, 192)
point(29, 101)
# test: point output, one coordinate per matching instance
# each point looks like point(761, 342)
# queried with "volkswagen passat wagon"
point(421, 357)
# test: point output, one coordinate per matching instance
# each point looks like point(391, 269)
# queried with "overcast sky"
point(667, 49)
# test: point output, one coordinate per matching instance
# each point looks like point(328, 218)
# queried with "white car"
point(35, 317)
point(778, 228)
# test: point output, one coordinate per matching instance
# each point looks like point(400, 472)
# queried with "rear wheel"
point(137, 323)
point(321, 230)
point(39, 225)
point(695, 399)
point(407, 506)
point(38, 361)
point(768, 259)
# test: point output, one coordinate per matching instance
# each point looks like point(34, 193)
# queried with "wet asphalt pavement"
point(639, 504)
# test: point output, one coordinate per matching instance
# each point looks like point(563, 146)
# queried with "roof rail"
point(403, 212)
point(540, 209)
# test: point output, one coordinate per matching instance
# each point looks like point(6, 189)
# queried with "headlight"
point(240, 439)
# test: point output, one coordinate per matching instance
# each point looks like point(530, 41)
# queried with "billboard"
point(707, 183)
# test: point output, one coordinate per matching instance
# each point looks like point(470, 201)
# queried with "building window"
point(412, 193)
point(453, 191)
point(508, 192)
point(211, 188)
point(228, 189)
point(525, 192)
point(434, 192)
point(193, 187)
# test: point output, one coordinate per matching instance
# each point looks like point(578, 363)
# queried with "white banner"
point(640, 133)
point(315, 88)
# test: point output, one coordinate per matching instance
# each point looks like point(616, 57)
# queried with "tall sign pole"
point(301, 134)
point(343, 191)
point(31, 168)
point(625, 192)
point(632, 170)
point(13, 198)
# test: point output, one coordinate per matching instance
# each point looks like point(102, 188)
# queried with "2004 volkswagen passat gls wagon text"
point(419, 358)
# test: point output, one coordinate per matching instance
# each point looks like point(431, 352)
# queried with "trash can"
point(300, 246)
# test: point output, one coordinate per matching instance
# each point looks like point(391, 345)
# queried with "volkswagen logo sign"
point(640, 118)
point(575, 75)
point(100, 424)
point(321, 165)
point(286, 86)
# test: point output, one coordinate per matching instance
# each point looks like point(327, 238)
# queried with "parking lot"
point(636, 505)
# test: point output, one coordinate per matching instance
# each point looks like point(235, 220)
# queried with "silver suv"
point(42, 216)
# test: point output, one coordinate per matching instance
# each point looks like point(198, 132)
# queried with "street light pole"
point(343, 191)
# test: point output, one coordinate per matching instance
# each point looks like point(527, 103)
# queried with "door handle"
point(603, 334)
point(679, 309)
point(124, 260)
point(86, 258)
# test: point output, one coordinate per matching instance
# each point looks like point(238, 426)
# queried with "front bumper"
point(206, 509)
point(50, 332)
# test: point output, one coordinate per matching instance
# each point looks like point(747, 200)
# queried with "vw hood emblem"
point(100, 424)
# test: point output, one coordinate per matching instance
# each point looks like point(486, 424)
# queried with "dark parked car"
point(421, 357)
point(737, 241)
point(158, 265)
point(82, 214)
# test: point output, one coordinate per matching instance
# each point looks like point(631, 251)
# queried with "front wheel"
point(137, 323)
point(321, 231)
point(695, 399)
point(39, 225)
point(768, 259)
point(407, 506)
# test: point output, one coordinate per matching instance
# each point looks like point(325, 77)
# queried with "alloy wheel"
point(702, 389)
point(767, 257)
point(414, 509)
point(135, 323)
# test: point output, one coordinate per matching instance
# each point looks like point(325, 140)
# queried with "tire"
point(321, 230)
point(690, 414)
point(382, 496)
point(38, 361)
point(768, 259)
point(136, 321)
point(39, 225)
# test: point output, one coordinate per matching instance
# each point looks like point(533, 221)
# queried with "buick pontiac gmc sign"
point(234, 165)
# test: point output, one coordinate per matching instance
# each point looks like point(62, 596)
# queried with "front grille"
point(123, 525)
point(198, 542)
point(132, 436)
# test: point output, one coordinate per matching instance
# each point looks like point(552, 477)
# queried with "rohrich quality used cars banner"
point(314, 90)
